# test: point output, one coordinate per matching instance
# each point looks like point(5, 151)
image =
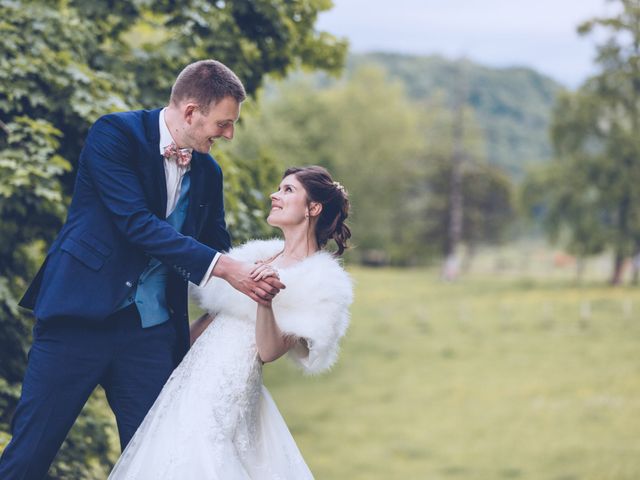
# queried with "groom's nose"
point(228, 132)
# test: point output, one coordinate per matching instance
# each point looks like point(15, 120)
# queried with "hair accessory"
point(339, 186)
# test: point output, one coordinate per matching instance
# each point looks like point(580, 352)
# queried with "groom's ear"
point(188, 111)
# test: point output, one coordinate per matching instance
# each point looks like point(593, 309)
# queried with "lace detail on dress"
point(208, 422)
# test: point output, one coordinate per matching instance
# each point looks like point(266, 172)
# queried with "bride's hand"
point(238, 275)
point(262, 271)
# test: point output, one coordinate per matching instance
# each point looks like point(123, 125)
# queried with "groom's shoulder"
point(210, 164)
point(131, 125)
point(130, 117)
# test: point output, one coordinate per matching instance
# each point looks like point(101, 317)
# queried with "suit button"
point(128, 284)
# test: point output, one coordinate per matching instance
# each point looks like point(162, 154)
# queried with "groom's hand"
point(238, 274)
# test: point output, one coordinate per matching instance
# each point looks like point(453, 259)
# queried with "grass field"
point(488, 378)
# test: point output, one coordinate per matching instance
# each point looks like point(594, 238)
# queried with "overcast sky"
point(535, 33)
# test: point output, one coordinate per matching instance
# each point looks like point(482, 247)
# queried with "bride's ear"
point(314, 209)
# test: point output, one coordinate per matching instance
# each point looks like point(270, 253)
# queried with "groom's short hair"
point(207, 81)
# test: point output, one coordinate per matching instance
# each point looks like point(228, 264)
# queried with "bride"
point(214, 419)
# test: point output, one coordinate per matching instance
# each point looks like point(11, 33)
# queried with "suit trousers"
point(67, 361)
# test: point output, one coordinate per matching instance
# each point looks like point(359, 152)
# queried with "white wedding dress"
point(214, 419)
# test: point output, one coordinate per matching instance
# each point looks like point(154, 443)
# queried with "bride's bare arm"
point(199, 326)
point(270, 340)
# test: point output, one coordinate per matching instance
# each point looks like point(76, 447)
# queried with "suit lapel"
point(195, 195)
point(155, 177)
point(160, 184)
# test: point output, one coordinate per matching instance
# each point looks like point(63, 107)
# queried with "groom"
point(110, 300)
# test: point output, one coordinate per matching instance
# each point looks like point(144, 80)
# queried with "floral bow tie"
point(182, 156)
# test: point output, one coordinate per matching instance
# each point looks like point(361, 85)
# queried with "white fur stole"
point(314, 306)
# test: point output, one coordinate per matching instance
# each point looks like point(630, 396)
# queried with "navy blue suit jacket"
point(116, 222)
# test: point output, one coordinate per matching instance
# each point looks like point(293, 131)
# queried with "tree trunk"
point(635, 265)
point(623, 232)
point(451, 268)
point(618, 267)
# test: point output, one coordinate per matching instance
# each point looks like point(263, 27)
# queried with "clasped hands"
point(259, 281)
point(263, 273)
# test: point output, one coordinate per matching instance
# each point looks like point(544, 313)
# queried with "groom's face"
point(203, 129)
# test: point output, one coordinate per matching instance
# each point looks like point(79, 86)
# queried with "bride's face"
point(289, 205)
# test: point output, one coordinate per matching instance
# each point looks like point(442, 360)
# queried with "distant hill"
point(512, 105)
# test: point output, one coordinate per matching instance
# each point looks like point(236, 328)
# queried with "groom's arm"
point(238, 275)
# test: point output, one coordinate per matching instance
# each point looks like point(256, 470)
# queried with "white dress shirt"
point(173, 174)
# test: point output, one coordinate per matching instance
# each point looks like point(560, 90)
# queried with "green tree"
point(485, 191)
point(375, 132)
point(66, 62)
point(595, 136)
point(248, 182)
point(564, 197)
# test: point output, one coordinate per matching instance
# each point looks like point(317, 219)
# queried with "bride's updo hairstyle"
point(321, 188)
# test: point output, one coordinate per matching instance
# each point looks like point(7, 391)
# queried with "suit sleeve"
point(107, 158)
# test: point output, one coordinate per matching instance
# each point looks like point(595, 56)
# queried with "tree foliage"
point(488, 196)
point(248, 182)
point(592, 194)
